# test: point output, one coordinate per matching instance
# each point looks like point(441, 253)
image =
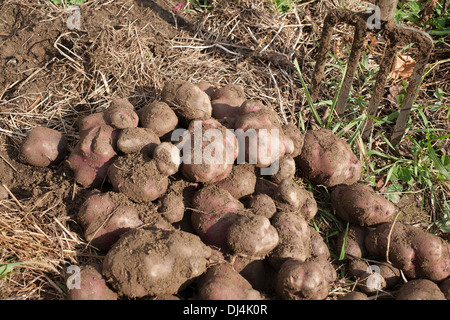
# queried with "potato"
point(171, 206)
point(208, 151)
point(187, 99)
point(285, 171)
point(299, 280)
point(43, 147)
point(354, 239)
point(137, 139)
point(206, 87)
point(359, 204)
point(445, 288)
point(420, 289)
point(167, 158)
point(158, 117)
point(214, 211)
point(227, 100)
point(354, 295)
point(105, 217)
point(222, 282)
point(137, 177)
point(327, 267)
point(155, 262)
point(121, 114)
point(258, 272)
point(241, 181)
point(260, 136)
point(297, 137)
point(252, 236)
point(92, 285)
point(328, 160)
point(419, 254)
point(319, 249)
point(93, 154)
point(262, 204)
point(291, 197)
point(295, 238)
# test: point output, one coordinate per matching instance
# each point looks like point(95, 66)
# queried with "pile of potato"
point(236, 224)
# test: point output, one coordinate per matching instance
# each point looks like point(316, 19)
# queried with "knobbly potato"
point(297, 137)
point(285, 171)
point(328, 160)
point(420, 289)
point(241, 181)
point(353, 238)
point(167, 158)
point(227, 100)
point(262, 204)
point(137, 139)
point(359, 204)
point(291, 197)
point(155, 262)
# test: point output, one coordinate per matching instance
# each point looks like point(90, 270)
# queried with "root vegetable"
point(188, 100)
point(208, 151)
point(227, 100)
point(286, 170)
point(420, 289)
point(291, 197)
point(295, 239)
point(158, 117)
point(262, 204)
point(155, 262)
point(353, 238)
point(359, 204)
point(222, 282)
point(137, 139)
point(105, 217)
point(328, 160)
point(92, 286)
point(137, 177)
point(241, 181)
point(297, 137)
point(261, 138)
point(298, 280)
point(252, 236)
point(43, 147)
point(419, 254)
point(167, 158)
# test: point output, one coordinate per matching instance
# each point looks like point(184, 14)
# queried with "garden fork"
point(381, 20)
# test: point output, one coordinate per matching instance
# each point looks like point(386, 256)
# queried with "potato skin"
point(241, 182)
point(291, 197)
point(222, 282)
point(262, 204)
point(43, 147)
point(359, 204)
point(354, 242)
point(226, 101)
point(92, 286)
point(299, 280)
point(158, 117)
point(297, 137)
point(154, 262)
point(137, 139)
point(328, 160)
point(419, 254)
point(105, 217)
point(420, 289)
point(188, 100)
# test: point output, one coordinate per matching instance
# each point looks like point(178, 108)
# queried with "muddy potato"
point(354, 295)
point(138, 177)
point(91, 285)
point(167, 158)
point(171, 206)
point(262, 204)
point(418, 253)
point(241, 181)
point(295, 239)
point(155, 262)
point(211, 159)
point(222, 282)
point(43, 147)
point(286, 170)
point(359, 204)
point(299, 280)
point(137, 139)
point(121, 114)
point(226, 101)
point(353, 238)
point(105, 217)
point(187, 99)
point(445, 288)
point(260, 136)
point(328, 160)
point(252, 236)
point(297, 137)
point(258, 272)
point(420, 289)
point(291, 197)
point(158, 117)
